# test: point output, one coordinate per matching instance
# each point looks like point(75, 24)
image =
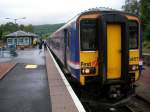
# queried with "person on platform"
point(45, 45)
point(40, 46)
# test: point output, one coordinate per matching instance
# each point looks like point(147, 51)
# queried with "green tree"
point(11, 27)
point(132, 6)
point(29, 28)
point(1, 32)
point(145, 18)
point(22, 27)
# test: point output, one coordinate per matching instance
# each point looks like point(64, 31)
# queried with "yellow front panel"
point(113, 51)
point(134, 60)
point(133, 57)
point(90, 16)
point(132, 18)
point(88, 59)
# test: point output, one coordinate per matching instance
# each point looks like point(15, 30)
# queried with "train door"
point(67, 43)
point(65, 47)
point(113, 51)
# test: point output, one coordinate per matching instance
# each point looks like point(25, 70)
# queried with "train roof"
point(103, 10)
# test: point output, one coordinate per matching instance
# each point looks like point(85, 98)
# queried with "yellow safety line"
point(31, 66)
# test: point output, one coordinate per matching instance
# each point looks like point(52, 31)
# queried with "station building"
point(21, 39)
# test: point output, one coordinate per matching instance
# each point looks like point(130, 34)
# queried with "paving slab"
point(60, 97)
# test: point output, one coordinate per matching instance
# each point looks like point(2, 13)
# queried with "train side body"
point(67, 50)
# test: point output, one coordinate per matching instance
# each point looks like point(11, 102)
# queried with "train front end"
point(110, 52)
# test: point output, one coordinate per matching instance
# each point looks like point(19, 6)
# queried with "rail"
point(138, 104)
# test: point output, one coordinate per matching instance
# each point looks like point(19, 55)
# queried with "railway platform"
point(63, 99)
point(25, 87)
point(34, 84)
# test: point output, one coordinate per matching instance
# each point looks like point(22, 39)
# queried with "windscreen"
point(88, 35)
point(133, 35)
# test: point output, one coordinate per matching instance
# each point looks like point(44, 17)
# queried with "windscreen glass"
point(133, 35)
point(88, 35)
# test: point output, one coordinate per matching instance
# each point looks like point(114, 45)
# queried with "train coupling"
point(114, 92)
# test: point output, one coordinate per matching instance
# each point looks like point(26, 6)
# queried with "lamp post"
point(15, 19)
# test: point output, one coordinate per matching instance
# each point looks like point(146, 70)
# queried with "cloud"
point(50, 11)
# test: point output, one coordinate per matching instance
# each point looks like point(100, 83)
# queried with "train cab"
point(109, 47)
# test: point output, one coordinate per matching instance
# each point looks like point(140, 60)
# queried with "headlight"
point(133, 67)
point(89, 70)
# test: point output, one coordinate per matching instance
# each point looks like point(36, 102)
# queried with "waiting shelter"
point(21, 39)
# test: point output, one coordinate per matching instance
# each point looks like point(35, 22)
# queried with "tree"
point(22, 27)
point(145, 18)
point(1, 32)
point(29, 28)
point(142, 9)
point(132, 6)
point(11, 27)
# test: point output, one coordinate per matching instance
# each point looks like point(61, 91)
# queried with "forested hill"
point(47, 29)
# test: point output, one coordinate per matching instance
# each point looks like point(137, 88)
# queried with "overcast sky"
point(49, 11)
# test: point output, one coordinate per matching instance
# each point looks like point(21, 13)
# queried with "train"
point(102, 50)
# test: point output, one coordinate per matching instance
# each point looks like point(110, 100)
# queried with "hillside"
point(47, 29)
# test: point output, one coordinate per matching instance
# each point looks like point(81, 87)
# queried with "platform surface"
point(5, 67)
point(26, 89)
point(60, 98)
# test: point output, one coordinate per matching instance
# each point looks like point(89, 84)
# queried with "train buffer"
point(30, 87)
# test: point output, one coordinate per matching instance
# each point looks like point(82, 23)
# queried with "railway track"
point(124, 108)
point(138, 104)
point(135, 104)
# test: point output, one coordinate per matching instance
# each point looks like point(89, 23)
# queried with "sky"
point(39, 12)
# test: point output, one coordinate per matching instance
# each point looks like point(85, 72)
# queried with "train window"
point(133, 35)
point(88, 34)
point(68, 38)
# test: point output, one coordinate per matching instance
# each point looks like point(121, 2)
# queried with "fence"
point(8, 52)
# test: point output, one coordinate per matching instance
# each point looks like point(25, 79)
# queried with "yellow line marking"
point(31, 66)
